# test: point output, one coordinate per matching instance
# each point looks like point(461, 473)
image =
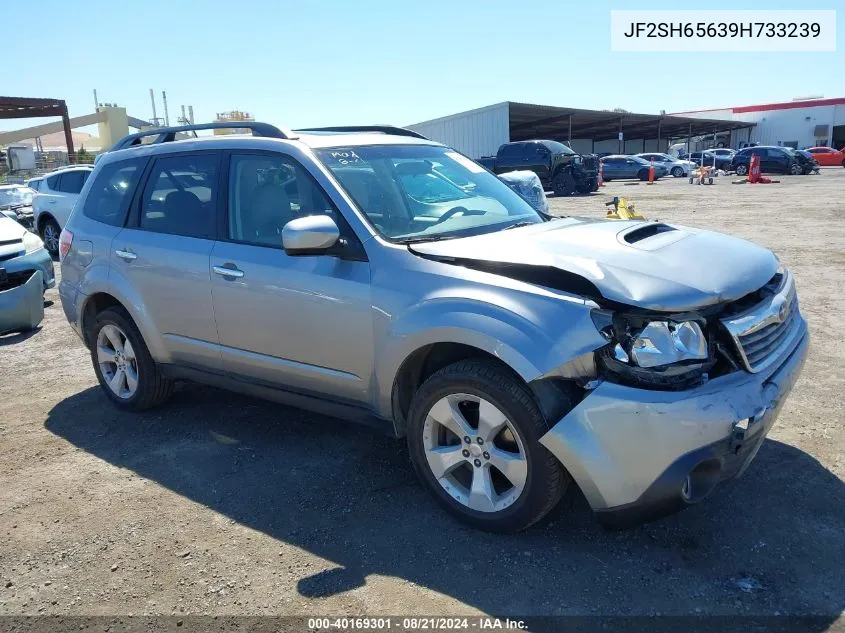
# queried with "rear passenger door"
point(162, 255)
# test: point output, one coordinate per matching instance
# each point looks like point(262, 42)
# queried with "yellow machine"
point(622, 210)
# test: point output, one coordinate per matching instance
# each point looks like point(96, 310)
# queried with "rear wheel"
point(741, 170)
point(50, 232)
point(123, 365)
point(843, 163)
point(563, 184)
point(473, 437)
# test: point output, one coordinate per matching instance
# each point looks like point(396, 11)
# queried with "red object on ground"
point(651, 171)
point(754, 170)
point(827, 156)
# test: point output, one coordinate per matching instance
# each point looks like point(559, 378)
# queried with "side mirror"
point(311, 235)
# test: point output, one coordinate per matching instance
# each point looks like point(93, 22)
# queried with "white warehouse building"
point(799, 123)
point(480, 132)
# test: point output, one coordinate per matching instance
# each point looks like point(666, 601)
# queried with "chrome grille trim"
point(763, 331)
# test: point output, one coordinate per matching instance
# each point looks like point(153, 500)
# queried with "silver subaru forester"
point(373, 275)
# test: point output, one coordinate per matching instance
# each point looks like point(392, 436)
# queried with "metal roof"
point(530, 121)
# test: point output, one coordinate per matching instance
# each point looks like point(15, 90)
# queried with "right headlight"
point(653, 352)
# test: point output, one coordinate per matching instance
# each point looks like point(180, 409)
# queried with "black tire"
point(642, 174)
point(153, 388)
point(546, 480)
point(742, 170)
point(49, 228)
point(677, 172)
point(563, 184)
point(843, 163)
point(795, 169)
point(594, 186)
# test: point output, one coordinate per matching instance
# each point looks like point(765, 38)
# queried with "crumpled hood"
point(644, 264)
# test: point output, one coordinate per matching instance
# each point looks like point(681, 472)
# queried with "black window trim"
point(133, 220)
point(352, 248)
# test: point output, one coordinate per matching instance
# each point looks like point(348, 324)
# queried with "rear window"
point(72, 181)
point(109, 196)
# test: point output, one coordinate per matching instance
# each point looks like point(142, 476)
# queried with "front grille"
point(15, 279)
point(760, 344)
point(590, 161)
point(761, 331)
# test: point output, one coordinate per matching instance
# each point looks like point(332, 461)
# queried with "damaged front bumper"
point(639, 454)
point(22, 306)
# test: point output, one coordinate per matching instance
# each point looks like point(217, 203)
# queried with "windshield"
point(415, 193)
point(16, 196)
point(558, 148)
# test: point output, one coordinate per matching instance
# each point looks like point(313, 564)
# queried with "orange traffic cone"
point(651, 173)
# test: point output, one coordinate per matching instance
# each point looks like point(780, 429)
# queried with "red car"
point(827, 156)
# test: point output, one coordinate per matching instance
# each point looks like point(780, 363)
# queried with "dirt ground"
point(221, 504)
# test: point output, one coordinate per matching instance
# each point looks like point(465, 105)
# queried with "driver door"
point(300, 322)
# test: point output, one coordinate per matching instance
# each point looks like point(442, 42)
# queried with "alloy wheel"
point(475, 452)
point(51, 237)
point(117, 361)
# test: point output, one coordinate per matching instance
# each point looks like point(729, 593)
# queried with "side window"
point(72, 181)
point(512, 151)
point(53, 182)
point(180, 195)
point(110, 193)
point(268, 191)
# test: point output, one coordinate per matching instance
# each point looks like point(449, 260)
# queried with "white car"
point(678, 168)
point(57, 193)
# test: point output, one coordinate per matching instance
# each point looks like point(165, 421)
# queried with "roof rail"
point(168, 134)
point(384, 129)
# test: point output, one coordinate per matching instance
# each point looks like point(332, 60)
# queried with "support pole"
point(71, 157)
point(659, 121)
point(621, 137)
point(570, 131)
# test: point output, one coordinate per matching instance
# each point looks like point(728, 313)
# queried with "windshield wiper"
point(427, 238)
point(519, 225)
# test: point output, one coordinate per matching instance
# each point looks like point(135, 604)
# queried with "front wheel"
point(643, 174)
point(473, 437)
point(741, 170)
point(795, 169)
point(563, 184)
point(677, 172)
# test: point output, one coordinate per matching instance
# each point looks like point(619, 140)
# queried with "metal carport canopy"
point(26, 108)
point(529, 121)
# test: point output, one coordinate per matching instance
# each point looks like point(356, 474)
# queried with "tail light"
point(65, 240)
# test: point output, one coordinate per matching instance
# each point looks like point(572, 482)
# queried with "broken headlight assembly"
point(654, 351)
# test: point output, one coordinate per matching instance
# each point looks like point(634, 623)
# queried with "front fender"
point(531, 333)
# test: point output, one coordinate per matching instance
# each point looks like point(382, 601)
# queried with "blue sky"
point(332, 62)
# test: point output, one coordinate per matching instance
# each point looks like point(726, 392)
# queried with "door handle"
point(225, 271)
point(52, 201)
point(127, 256)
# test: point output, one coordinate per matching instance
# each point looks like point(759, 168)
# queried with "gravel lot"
point(222, 504)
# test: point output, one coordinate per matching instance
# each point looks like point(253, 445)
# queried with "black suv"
point(778, 160)
point(559, 168)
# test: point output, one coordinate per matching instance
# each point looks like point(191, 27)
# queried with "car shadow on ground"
point(11, 338)
point(764, 544)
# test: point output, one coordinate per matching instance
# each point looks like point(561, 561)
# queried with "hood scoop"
point(644, 232)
